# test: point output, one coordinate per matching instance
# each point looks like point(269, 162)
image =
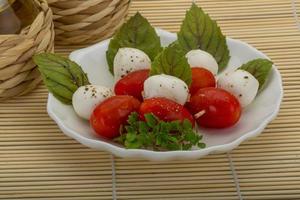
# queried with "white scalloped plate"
point(253, 121)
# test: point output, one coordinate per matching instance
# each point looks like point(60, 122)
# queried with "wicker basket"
point(18, 73)
point(86, 21)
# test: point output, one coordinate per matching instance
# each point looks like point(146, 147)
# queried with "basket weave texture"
point(18, 73)
point(86, 21)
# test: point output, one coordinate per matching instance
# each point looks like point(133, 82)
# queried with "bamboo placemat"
point(38, 162)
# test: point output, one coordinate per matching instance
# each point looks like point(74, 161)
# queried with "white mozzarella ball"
point(166, 86)
point(128, 60)
point(86, 98)
point(240, 83)
point(199, 58)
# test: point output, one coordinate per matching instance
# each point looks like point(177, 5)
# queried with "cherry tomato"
point(165, 109)
point(108, 116)
point(201, 78)
point(215, 108)
point(132, 84)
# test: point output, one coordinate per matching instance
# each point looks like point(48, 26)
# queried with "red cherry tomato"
point(201, 78)
point(108, 116)
point(215, 108)
point(165, 110)
point(132, 84)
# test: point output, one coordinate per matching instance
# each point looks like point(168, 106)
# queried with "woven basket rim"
point(84, 22)
point(22, 33)
point(18, 73)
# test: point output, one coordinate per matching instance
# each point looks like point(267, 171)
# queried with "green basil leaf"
point(61, 75)
point(58, 89)
point(138, 33)
point(172, 61)
point(259, 68)
point(62, 99)
point(199, 31)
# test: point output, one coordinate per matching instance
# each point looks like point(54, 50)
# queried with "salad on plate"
point(161, 95)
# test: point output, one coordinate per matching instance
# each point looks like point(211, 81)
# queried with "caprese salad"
point(161, 94)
